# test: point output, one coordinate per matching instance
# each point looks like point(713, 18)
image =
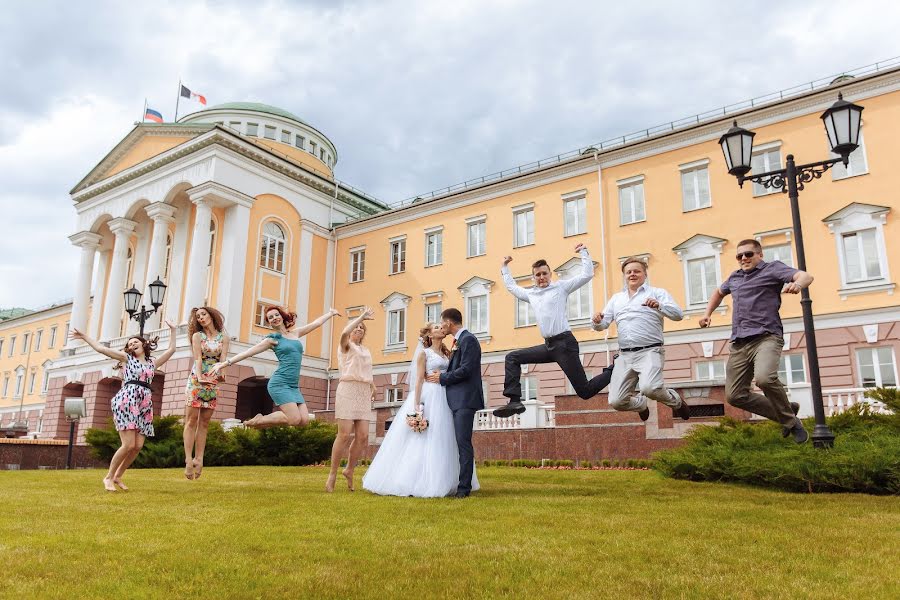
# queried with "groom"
point(464, 392)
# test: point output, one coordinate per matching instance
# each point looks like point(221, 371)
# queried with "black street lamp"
point(842, 122)
point(133, 300)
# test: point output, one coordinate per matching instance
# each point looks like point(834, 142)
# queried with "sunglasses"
point(747, 254)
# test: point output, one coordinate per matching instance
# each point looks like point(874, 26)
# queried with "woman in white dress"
point(426, 464)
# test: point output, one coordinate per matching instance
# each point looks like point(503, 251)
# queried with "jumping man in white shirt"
point(548, 299)
point(638, 311)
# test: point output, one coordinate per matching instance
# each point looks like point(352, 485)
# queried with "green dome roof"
point(255, 107)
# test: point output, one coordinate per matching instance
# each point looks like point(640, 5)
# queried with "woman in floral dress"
point(209, 344)
point(132, 406)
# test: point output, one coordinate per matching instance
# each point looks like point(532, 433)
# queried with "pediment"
point(699, 239)
point(856, 208)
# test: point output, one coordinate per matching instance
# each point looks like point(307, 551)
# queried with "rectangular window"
point(791, 370)
point(394, 395)
point(398, 256)
point(434, 248)
point(529, 388)
point(12, 345)
point(524, 314)
point(38, 336)
point(861, 260)
point(1, 345)
point(66, 336)
point(285, 137)
point(253, 129)
point(523, 225)
point(631, 203)
point(52, 341)
point(322, 154)
point(763, 162)
point(236, 125)
point(45, 382)
point(19, 378)
point(269, 132)
point(433, 312)
point(475, 233)
point(261, 315)
point(877, 367)
point(781, 252)
point(710, 369)
point(476, 310)
point(357, 266)
point(858, 164)
point(31, 382)
point(397, 326)
point(5, 385)
point(312, 147)
point(575, 211)
point(701, 279)
point(26, 343)
point(695, 189)
point(300, 142)
point(579, 303)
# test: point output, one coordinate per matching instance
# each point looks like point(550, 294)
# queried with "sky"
point(415, 95)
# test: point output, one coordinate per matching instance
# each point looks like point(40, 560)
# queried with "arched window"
point(209, 263)
point(271, 251)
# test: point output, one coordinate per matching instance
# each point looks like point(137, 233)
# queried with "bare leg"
point(357, 448)
point(289, 414)
point(128, 440)
point(120, 472)
point(338, 450)
point(202, 429)
point(191, 418)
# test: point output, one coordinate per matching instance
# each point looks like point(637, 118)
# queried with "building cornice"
point(47, 313)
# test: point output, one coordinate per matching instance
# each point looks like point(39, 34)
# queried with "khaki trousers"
point(757, 359)
point(642, 370)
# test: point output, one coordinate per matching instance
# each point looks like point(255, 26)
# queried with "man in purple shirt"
point(757, 336)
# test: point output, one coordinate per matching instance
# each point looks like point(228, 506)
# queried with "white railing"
point(547, 416)
point(839, 400)
point(536, 415)
point(486, 420)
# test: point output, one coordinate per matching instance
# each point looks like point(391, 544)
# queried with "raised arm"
point(366, 315)
point(262, 346)
point(165, 356)
point(587, 271)
point(714, 301)
point(470, 362)
point(313, 325)
point(114, 354)
point(800, 280)
point(511, 286)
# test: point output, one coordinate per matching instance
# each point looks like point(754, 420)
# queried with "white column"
point(301, 306)
point(198, 260)
point(99, 283)
point(176, 272)
point(328, 334)
point(232, 266)
point(88, 242)
point(115, 300)
point(162, 215)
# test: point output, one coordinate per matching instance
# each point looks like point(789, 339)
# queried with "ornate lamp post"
point(842, 122)
point(133, 299)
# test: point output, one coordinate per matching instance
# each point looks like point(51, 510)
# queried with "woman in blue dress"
point(284, 385)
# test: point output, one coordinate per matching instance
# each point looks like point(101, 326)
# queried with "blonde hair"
point(425, 336)
point(634, 259)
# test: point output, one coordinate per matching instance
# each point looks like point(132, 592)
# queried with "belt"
point(640, 348)
point(558, 336)
point(143, 384)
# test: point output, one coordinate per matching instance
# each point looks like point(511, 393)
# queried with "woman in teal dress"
point(284, 385)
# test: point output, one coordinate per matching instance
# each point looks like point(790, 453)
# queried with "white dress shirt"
point(639, 325)
point(549, 303)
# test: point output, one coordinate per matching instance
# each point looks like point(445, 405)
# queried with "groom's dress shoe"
point(513, 408)
point(462, 495)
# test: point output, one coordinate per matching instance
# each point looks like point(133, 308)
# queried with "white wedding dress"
point(424, 465)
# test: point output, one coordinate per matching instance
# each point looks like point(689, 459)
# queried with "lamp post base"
point(822, 437)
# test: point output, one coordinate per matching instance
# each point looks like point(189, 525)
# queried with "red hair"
point(287, 316)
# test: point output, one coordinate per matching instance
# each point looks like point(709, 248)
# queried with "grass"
point(270, 532)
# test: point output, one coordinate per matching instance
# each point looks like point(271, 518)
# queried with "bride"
point(425, 465)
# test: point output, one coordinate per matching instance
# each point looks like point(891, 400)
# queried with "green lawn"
point(269, 532)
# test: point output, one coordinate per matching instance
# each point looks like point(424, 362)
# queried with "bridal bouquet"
point(417, 421)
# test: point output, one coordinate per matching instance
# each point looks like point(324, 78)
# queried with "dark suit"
point(464, 396)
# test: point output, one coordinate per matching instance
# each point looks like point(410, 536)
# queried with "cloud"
point(416, 96)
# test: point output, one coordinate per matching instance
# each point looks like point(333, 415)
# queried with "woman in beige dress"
point(353, 399)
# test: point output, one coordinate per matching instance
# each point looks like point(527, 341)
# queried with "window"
point(781, 252)
point(253, 129)
point(394, 395)
point(31, 382)
point(523, 225)
point(529, 388)
point(52, 341)
point(764, 161)
point(702, 279)
point(695, 188)
point(271, 251)
point(433, 312)
point(322, 154)
point(45, 382)
point(524, 314)
point(285, 137)
point(579, 301)
point(66, 334)
point(434, 248)
point(38, 336)
point(476, 314)
point(12, 345)
point(269, 132)
point(791, 370)
point(475, 233)
point(300, 141)
point(397, 326)
point(5, 385)
point(858, 164)
point(26, 343)
point(631, 202)
point(20, 375)
point(710, 369)
point(357, 265)
point(1, 345)
point(861, 260)
point(261, 315)
point(574, 211)
point(312, 147)
point(398, 256)
point(877, 367)
point(236, 125)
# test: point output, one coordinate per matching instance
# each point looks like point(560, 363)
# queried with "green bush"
point(865, 457)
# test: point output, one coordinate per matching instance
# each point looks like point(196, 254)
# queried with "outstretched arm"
point(800, 280)
point(262, 346)
point(587, 271)
point(309, 327)
point(469, 364)
point(714, 301)
point(114, 354)
point(165, 356)
point(366, 315)
point(511, 286)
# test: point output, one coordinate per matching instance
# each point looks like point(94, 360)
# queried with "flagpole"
point(177, 100)
point(144, 114)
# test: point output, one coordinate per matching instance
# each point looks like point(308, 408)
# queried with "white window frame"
point(854, 218)
point(252, 130)
point(433, 311)
point(272, 249)
point(300, 142)
point(583, 296)
point(788, 371)
point(26, 342)
point(5, 384)
point(526, 238)
point(396, 327)
point(766, 150)
point(628, 194)
point(357, 264)
point(52, 342)
point(394, 395)
point(879, 377)
point(853, 169)
point(477, 316)
point(396, 322)
point(397, 255)
point(45, 380)
point(2, 340)
point(780, 249)
point(285, 136)
point(703, 263)
point(270, 129)
point(12, 345)
point(20, 382)
point(478, 225)
point(697, 171)
point(529, 385)
point(524, 306)
point(577, 201)
point(705, 370)
point(477, 287)
point(31, 381)
point(434, 246)
point(699, 247)
point(38, 337)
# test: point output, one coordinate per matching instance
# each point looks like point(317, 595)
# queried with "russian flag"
point(152, 115)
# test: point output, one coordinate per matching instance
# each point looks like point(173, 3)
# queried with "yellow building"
point(237, 206)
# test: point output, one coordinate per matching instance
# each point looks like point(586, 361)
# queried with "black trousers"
point(561, 349)
point(463, 422)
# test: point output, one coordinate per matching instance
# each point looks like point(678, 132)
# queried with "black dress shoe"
point(644, 414)
point(800, 434)
point(795, 406)
point(683, 411)
point(513, 408)
point(461, 495)
point(786, 431)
